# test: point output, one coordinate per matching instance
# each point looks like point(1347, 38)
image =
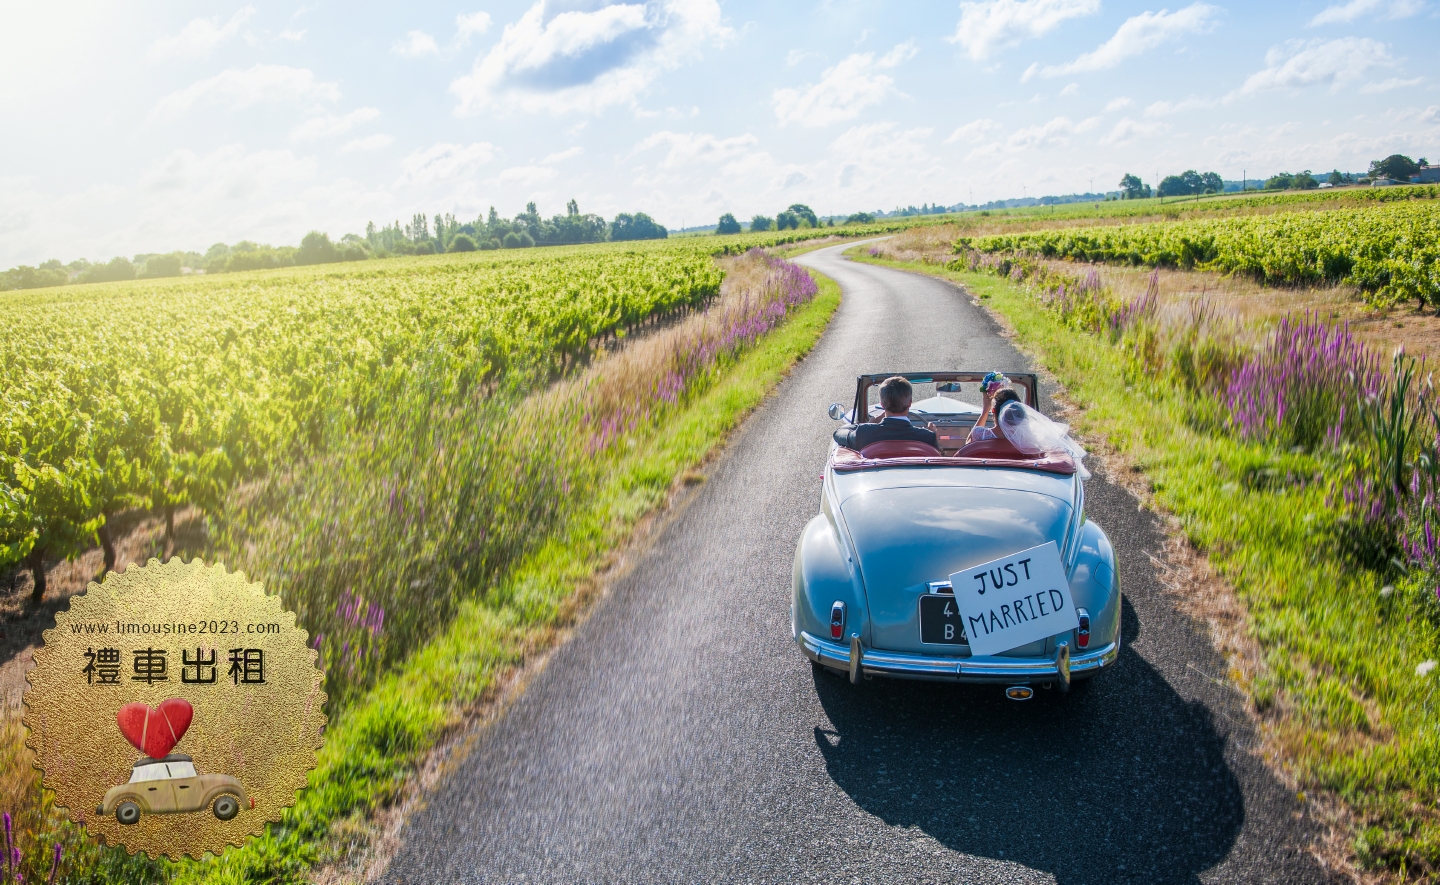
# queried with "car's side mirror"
point(837, 411)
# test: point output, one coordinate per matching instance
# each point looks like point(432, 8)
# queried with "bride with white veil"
point(1034, 434)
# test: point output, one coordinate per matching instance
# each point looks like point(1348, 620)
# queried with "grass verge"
point(1342, 687)
point(375, 746)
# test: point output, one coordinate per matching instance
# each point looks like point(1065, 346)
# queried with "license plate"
point(940, 620)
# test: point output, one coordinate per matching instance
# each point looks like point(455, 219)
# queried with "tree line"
point(420, 236)
point(797, 216)
point(1396, 167)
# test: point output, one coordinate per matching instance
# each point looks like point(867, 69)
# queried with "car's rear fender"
point(1095, 585)
point(824, 575)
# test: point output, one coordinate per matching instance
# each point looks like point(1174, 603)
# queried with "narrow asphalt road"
point(681, 737)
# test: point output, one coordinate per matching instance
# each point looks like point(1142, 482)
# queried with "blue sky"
point(149, 127)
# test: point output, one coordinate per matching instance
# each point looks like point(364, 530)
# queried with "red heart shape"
point(155, 732)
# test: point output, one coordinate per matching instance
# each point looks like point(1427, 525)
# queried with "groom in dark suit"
point(895, 396)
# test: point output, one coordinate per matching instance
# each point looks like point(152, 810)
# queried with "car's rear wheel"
point(226, 807)
point(127, 813)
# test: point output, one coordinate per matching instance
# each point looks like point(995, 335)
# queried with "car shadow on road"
point(1119, 780)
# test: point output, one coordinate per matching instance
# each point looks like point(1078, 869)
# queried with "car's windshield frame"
point(1026, 382)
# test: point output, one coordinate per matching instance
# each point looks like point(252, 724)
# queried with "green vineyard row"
point(1390, 250)
point(163, 393)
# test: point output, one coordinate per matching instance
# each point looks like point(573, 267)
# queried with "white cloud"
point(293, 36)
point(241, 89)
point(1118, 103)
point(691, 147)
point(416, 44)
point(368, 143)
point(1055, 132)
point(987, 27)
point(1391, 83)
point(226, 173)
point(843, 91)
point(1128, 130)
point(1349, 12)
point(469, 25)
point(974, 132)
point(526, 175)
point(867, 155)
point(1138, 34)
point(795, 56)
point(1296, 64)
point(562, 156)
point(587, 61)
point(1072, 89)
point(444, 161)
point(199, 37)
point(1166, 108)
point(327, 126)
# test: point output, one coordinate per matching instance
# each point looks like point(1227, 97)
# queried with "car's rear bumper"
point(898, 665)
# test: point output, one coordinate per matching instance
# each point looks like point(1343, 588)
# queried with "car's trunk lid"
point(907, 538)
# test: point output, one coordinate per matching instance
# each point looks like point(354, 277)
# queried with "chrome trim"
point(900, 665)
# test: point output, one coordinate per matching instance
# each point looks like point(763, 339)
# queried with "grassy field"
point(615, 438)
point(1341, 681)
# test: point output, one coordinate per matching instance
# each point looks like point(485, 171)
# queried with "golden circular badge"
point(175, 709)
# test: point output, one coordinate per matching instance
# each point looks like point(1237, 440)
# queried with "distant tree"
point(1132, 188)
point(860, 218)
point(761, 222)
point(636, 227)
point(462, 243)
point(1173, 186)
point(1396, 166)
point(511, 240)
point(1336, 177)
point(573, 227)
point(493, 243)
point(727, 225)
point(1303, 181)
point(425, 247)
point(1212, 183)
point(118, 268)
point(787, 220)
point(805, 214)
point(1279, 182)
point(41, 277)
point(161, 266)
point(316, 248)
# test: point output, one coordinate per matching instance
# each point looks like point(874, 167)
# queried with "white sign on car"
point(1015, 600)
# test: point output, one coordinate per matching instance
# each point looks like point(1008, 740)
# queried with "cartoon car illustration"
point(171, 786)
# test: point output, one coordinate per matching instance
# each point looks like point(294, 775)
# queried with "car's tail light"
point(837, 620)
point(1082, 633)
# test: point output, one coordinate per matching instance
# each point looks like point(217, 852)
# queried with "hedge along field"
point(1306, 467)
point(1389, 251)
point(398, 544)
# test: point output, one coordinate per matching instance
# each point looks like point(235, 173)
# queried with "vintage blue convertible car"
point(872, 593)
